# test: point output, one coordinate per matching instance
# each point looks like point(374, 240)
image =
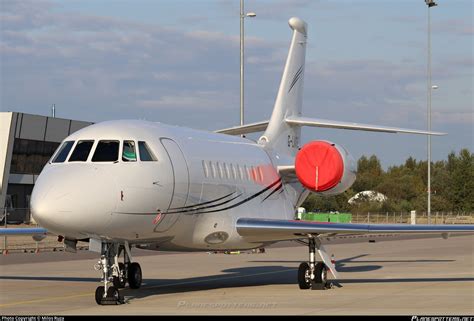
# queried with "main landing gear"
point(313, 275)
point(115, 274)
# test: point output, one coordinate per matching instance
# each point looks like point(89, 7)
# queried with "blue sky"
point(178, 62)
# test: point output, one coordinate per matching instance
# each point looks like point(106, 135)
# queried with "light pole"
point(242, 17)
point(430, 4)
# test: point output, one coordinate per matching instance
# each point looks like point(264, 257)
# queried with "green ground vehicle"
point(327, 217)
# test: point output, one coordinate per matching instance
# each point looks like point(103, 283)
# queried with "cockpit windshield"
point(129, 153)
point(81, 151)
point(106, 151)
point(63, 152)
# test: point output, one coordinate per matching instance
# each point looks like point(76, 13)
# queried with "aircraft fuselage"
point(188, 198)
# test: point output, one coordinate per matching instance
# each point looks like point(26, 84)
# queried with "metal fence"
point(421, 218)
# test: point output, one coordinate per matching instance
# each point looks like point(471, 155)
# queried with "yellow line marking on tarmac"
point(145, 288)
point(45, 299)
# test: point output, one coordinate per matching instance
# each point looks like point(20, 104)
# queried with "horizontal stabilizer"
point(245, 129)
point(315, 122)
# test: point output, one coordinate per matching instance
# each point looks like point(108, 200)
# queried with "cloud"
point(99, 67)
point(458, 27)
point(25, 14)
point(197, 100)
point(453, 117)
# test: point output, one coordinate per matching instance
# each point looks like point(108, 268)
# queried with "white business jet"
point(130, 183)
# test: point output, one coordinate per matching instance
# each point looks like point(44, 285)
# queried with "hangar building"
point(27, 142)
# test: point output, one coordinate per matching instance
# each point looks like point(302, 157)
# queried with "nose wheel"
point(116, 274)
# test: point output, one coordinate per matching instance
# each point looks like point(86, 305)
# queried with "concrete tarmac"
point(410, 277)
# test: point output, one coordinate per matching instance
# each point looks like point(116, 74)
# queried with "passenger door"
point(181, 183)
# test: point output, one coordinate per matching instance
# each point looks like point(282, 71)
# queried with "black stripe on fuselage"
point(273, 192)
point(203, 207)
point(190, 208)
point(243, 201)
point(201, 204)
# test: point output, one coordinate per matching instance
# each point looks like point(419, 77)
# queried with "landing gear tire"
point(120, 282)
point(99, 295)
point(304, 276)
point(112, 298)
point(320, 281)
point(113, 294)
point(134, 275)
point(313, 275)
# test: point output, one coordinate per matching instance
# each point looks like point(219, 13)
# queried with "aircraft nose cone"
point(45, 204)
point(73, 199)
point(39, 204)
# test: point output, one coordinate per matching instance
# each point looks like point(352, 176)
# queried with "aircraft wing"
point(315, 122)
point(245, 129)
point(265, 230)
point(23, 231)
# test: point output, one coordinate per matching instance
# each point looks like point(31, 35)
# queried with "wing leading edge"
point(279, 230)
point(23, 231)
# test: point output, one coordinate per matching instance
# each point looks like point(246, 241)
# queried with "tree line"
point(405, 186)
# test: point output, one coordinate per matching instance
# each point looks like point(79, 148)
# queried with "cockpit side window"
point(81, 151)
point(129, 153)
point(106, 151)
point(63, 152)
point(146, 155)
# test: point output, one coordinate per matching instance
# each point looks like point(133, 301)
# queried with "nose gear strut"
point(116, 274)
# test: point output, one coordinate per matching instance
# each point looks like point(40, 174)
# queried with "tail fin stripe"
point(297, 77)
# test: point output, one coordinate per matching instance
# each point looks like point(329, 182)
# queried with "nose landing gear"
point(115, 274)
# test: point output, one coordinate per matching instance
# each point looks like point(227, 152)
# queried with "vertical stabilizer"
point(279, 135)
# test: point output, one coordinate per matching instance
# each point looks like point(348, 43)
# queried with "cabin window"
point(220, 170)
point(106, 151)
point(63, 152)
point(233, 171)
point(214, 170)
point(253, 173)
point(146, 155)
point(227, 171)
point(129, 153)
point(241, 173)
point(81, 151)
point(205, 169)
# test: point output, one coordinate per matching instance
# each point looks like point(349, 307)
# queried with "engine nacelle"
point(325, 168)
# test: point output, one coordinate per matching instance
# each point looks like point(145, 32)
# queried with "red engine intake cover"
point(319, 166)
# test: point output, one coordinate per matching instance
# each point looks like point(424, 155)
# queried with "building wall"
point(6, 147)
point(27, 142)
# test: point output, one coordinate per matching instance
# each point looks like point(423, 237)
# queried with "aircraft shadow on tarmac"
point(343, 265)
point(247, 277)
